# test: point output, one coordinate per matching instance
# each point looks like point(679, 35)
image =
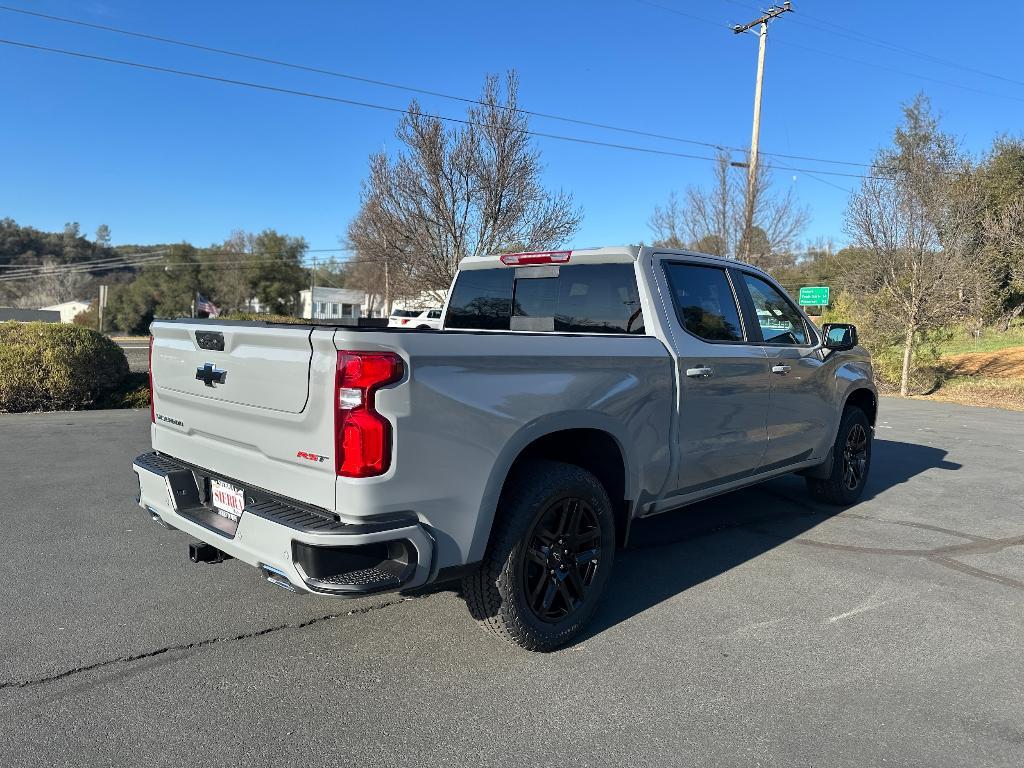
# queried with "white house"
point(323, 303)
point(68, 309)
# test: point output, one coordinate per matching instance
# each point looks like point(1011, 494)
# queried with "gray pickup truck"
point(567, 395)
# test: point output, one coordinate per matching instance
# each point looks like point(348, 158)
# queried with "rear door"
point(800, 407)
point(723, 378)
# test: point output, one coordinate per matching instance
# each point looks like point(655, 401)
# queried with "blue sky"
point(162, 158)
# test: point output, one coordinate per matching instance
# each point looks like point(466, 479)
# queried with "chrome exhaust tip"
point(155, 517)
point(277, 577)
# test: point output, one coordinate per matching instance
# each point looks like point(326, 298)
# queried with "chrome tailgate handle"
point(782, 370)
point(700, 373)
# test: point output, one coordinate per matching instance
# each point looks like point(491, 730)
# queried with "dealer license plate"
point(228, 500)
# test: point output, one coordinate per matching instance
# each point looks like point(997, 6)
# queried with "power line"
point(121, 260)
point(867, 63)
point(48, 269)
point(97, 262)
point(429, 92)
point(837, 29)
point(206, 264)
point(380, 107)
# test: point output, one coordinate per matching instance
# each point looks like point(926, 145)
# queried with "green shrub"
point(55, 367)
point(886, 345)
point(134, 393)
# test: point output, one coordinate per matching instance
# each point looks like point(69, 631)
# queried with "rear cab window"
point(567, 298)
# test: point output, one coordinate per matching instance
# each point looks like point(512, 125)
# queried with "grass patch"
point(990, 340)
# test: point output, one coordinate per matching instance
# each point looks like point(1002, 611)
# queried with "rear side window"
point(584, 298)
point(704, 302)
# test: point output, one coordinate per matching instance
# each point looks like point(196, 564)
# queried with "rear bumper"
point(295, 547)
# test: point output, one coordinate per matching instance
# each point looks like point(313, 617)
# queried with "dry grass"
point(994, 379)
point(1001, 364)
point(982, 390)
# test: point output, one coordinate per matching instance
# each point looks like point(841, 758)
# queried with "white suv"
point(415, 318)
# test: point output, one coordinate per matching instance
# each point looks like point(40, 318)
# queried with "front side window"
point(780, 321)
point(704, 302)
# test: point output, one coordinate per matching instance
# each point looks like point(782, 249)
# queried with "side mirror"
point(839, 336)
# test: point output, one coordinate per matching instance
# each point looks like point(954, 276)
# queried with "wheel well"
point(593, 450)
point(865, 400)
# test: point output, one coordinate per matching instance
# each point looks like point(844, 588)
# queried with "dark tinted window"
point(585, 298)
point(481, 298)
point(779, 320)
point(704, 302)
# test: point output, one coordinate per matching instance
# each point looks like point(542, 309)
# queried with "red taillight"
point(152, 405)
point(362, 437)
point(403, 321)
point(536, 257)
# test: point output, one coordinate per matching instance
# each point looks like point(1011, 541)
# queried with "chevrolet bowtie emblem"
point(210, 375)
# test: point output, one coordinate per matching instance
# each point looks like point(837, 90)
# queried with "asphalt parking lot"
point(756, 629)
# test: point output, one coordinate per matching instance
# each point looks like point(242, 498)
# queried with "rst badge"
point(312, 456)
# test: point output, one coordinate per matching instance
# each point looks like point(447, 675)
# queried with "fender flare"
point(856, 384)
point(524, 437)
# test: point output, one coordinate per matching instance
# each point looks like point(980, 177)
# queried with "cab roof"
point(605, 255)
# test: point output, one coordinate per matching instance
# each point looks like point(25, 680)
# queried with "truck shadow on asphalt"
point(674, 551)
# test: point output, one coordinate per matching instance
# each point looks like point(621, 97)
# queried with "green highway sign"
point(814, 296)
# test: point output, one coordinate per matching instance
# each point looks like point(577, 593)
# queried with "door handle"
point(700, 373)
point(782, 370)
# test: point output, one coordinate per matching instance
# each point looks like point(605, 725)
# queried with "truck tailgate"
point(269, 367)
point(248, 402)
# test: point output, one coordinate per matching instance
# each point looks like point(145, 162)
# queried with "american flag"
point(203, 304)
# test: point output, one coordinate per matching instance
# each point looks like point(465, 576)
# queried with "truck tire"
point(851, 460)
point(549, 558)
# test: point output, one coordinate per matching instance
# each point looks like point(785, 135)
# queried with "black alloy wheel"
point(562, 559)
point(850, 462)
point(855, 457)
point(550, 557)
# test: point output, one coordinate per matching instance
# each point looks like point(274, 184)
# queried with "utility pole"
point(101, 305)
point(748, 206)
point(312, 290)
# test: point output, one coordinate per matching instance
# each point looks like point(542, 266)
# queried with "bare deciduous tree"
point(54, 284)
point(915, 217)
point(457, 192)
point(711, 219)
